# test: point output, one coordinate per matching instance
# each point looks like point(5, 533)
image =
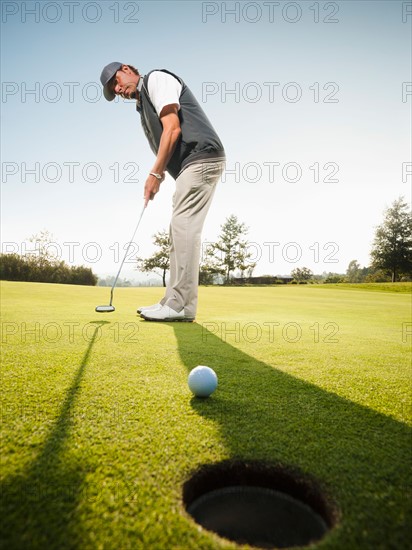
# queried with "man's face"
point(124, 83)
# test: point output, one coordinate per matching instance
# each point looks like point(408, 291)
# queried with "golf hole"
point(259, 504)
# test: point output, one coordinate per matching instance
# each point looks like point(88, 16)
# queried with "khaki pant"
point(195, 188)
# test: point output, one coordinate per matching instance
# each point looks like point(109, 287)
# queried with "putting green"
point(100, 431)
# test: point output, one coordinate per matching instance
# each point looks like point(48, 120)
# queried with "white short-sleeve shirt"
point(164, 89)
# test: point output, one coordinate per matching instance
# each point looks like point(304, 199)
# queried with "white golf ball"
point(202, 381)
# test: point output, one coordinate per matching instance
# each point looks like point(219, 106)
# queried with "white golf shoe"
point(165, 313)
point(154, 307)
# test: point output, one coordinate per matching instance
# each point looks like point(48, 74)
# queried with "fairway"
point(100, 430)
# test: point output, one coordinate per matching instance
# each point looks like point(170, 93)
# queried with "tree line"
point(229, 259)
point(391, 255)
point(43, 266)
point(219, 260)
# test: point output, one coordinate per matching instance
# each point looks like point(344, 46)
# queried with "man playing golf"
point(188, 148)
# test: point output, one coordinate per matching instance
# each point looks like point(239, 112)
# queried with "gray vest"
point(198, 140)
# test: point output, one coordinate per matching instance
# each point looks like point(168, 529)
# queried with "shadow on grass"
point(38, 509)
point(360, 456)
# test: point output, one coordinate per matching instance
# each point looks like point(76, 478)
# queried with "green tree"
point(232, 247)
point(334, 278)
point(45, 252)
point(392, 246)
point(210, 267)
point(302, 274)
point(377, 276)
point(159, 261)
point(29, 268)
point(354, 273)
point(243, 261)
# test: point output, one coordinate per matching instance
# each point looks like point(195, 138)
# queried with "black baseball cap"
point(107, 74)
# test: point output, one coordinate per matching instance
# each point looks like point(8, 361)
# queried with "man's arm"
point(170, 135)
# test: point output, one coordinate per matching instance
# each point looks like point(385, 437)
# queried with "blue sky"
point(302, 98)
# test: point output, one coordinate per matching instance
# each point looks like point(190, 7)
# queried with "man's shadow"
point(38, 509)
point(361, 457)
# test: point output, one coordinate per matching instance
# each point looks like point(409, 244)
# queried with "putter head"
point(105, 309)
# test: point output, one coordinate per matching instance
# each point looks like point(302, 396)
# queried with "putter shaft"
point(103, 308)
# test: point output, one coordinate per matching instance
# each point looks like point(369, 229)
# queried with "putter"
point(109, 308)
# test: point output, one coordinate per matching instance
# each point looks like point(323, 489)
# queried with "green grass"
point(99, 429)
point(377, 287)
